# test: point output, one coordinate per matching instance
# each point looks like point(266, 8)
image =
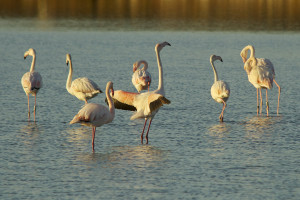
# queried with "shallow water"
point(191, 155)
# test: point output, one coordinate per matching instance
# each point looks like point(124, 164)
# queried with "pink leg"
point(28, 108)
point(279, 90)
point(261, 101)
point(85, 101)
point(93, 140)
point(267, 102)
point(222, 113)
point(148, 131)
point(142, 135)
point(34, 109)
point(257, 101)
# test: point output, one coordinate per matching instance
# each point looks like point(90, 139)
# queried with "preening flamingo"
point(146, 104)
point(95, 115)
point(261, 74)
point(220, 90)
point(31, 81)
point(82, 88)
point(141, 78)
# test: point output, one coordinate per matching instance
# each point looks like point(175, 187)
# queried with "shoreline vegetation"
point(168, 14)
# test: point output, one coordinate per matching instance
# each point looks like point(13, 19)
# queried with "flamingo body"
point(95, 115)
point(82, 88)
point(220, 90)
point(141, 78)
point(148, 103)
point(261, 74)
point(31, 81)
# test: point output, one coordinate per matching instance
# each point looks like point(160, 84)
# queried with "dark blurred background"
point(167, 14)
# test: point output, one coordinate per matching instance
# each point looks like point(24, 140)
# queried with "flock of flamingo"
point(260, 71)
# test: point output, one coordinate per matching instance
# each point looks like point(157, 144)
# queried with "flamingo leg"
point(261, 101)
point(85, 101)
point(257, 101)
point(93, 140)
point(28, 108)
point(279, 90)
point(222, 113)
point(142, 135)
point(148, 131)
point(34, 108)
point(267, 102)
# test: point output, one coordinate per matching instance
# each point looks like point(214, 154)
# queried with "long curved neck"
point(32, 63)
point(215, 72)
point(160, 72)
point(110, 103)
point(69, 80)
point(252, 54)
point(143, 62)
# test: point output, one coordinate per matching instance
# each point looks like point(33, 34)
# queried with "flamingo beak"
point(112, 92)
point(244, 60)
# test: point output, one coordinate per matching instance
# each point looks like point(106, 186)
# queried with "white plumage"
point(146, 104)
point(220, 90)
point(31, 81)
point(82, 88)
point(261, 74)
point(95, 115)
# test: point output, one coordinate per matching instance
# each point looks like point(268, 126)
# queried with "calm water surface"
point(191, 155)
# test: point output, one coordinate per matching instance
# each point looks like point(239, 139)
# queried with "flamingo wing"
point(32, 81)
point(85, 85)
point(124, 100)
point(155, 101)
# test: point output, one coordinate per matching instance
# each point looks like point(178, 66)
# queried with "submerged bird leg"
point(143, 131)
point(279, 90)
point(28, 108)
point(257, 101)
point(34, 108)
point(148, 131)
point(261, 101)
point(222, 113)
point(93, 140)
point(267, 102)
point(148, 84)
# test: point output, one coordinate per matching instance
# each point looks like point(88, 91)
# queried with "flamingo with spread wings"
point(220, 90)
point(261, 74)
point(31, 81)
point(82, 88)
point(141, 78)
point(146, 104)
point(95, 115)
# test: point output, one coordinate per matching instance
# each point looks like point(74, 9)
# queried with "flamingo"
point(31, 81)
point(82, 88)
point(95, 115)
point(261, 74)
point(220, 90)
point(141, 78)
point(148, 103)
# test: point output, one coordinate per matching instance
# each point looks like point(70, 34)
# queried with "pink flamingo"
point(95, 115)
point(261, 74)
point(31, 81)
point(82, 88)
point(220, 90)
point(141, 78)
point(146, 104)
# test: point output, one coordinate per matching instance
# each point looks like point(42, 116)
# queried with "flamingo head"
point(135, 66)
point(29, 52)
point(68, 58)
point(159, 46)
point(214, 57)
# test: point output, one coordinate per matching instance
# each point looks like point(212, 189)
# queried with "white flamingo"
point(220, 90)
point(146, 104)
point(141, 78)
point(31, 81)
point(82, 88)
point(95, 115)
point(261, 74)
